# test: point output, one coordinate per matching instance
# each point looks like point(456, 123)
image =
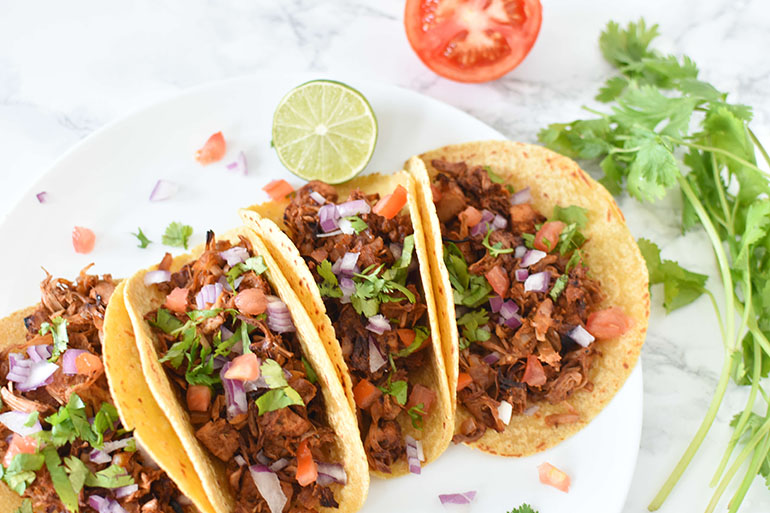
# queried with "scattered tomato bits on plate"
point(213, 150)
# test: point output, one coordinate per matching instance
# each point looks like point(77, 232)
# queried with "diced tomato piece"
point(421, 395)
point(244, 368)
point(19, 445)
point(176, 301)
point(552, 476)
point(463, 380)
point(198, 398)
point(278, 189)
point(307, 470)
point(365, 394)
point(470, 216)
point(498, 279)
point(391, 204)
point(406, 335)
point(547, 236)
point(609, 323)
point(251, 301)
point(436, 192)
point(88, 364)
point(534, 375)
point(83, 239)
point(213, 150)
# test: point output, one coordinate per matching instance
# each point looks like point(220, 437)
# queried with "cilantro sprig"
point(58, 330)
point(468, 289)
point(177, 235)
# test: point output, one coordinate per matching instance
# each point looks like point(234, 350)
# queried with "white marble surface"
point(69, 68)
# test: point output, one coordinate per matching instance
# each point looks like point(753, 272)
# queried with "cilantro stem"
point(756, 462)
point(722, 199)
point(759, 145)
point(714, 149)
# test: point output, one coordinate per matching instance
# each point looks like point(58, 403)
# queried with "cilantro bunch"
point(666, 128)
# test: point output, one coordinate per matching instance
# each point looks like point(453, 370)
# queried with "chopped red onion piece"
point(413, 451)
point(220, 361)
point(327, 217)
point(504, 412)
point(239, 460)
point(538, 282)
point(208, 295)
point(330, 234)
point(487, 216)
point(378, 324)
point(29, 375)
point(125, 491)
point(523, 196)
point(396, 249)
point(519, 251)
point(163, 190)
point(269, 487)
point(42, 196)
point(97, 456)
point(531, 410)
point(103, 505)
point(235, 255)
point(499, 222)
point(457, 498)
point(376, 360)
point(580, 335)
point(346, 227)
point(235, 395)
point(521, 274)
point(226, 333)
point(226, 286)
point(491, 358)
point(352, 208)
point(153, 277)
point(279, 465)
point(495, 302)
point(255, 384)
point(239, 164)
point(262, 458)
point(318, 197)
point(514, 322)
point(39, 352)
point(278, 316)
point(15, 420)
point(68, 361)
point(334, 471)
point(347, 264)
point(508, 309)
point(479, 229)
point(532, 257)
point(110, 447)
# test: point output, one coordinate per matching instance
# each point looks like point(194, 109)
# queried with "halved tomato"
point(472, 40)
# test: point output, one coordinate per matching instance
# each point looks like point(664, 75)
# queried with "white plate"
point(104, 183)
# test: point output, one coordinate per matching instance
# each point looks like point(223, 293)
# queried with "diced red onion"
point(538, 282)
point(226, 286)
point(110, 447)
point(208, 295)
point(499, 222)
point(330, 234)
point(262, 458)
point(279, 465)
point(153, 277)
point(348, 288)
point(346, 227)
point(318, 197)
point(39, 352)
point(42, 197)
point(278, 316)
point(495, 302)
point(519, 251)
point(378, 324)
point(413, 452)
point(104, 505)
point(504, 412)
point(347, 264)
point(352, 208)
point(235, 255)
point(239, 460)
point(333, 471)
point(98, 456)
point(19, 368)
point(487, 216)
point(163, 190)
point(376, 360)
point(457, 498)
point(327, 217)
point(220, 361)
point(580, 335)
point(521, 274)
point(514, 322)
point(508, 309)
point(235, 395)
point(531, 410)
point(396, 249)
point(523, 196)
point(239, 164)
point(491, 358)
point(29, 375)
point(532, 257)
point(269, 487)
point(125, 491)
point(479, 229)
point(68, 359)
point(226, 333)
point(15, 420)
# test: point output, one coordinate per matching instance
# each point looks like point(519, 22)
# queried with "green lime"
point(324, 130)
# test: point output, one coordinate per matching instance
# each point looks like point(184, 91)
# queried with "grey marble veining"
point(68, 68)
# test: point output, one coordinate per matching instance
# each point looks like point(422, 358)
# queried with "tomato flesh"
point(552, 476)
point(213, 150)
point(472, 40)
point(463, 380)
point(176, 301)
point(391, 204)
point(198, 398)
point(251, 301)
point(88, 364)
point(421, 395)
point(83, 239)
point(547, 237)
point(365, 394)
point(307, 470)
point(244, 368)
point(19, 445)
point(498, 280)
point(534, 375)
point(278, 189)
point(608, 323)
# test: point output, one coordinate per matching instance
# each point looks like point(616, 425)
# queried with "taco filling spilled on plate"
point(61, 441)
point(361, 253)
point(526, 305)
point(229, 346)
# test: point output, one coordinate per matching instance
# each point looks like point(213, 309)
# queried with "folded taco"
point(69, 441)
point(234, 361)
point(542, 291)
point(358, 262)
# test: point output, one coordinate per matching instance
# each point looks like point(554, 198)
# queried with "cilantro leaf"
point(143, 240)
point(524, 508)
point(278, 398)
point(309, 372)
point(330, 285)
point(273, 374)
point(468, 289)
point(421, 333)
point(77, 472)
point(58, 330)
point(474, 328)
point(397, 389)
point(571, 215)
point(357, 223)
point(177, 235)
point(104, 420)
point(61, 482)
point(680, 286)
point(371, 290)
point(26, 507)
point(558, 286)
point(417, 412)
point(165, 321)
point(113, 476)
point(21, 471)
point(256, 264)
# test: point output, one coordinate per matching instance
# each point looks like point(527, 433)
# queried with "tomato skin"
point(365, 394)
point(534, 375)
point(547, 237)
point(278, 189)
point(307, 470)
point(552, 476)
point(83, 240)
point(198, 398)
point(463, 380)
point(244, 368)
point(213, 150)
point(472, 40)
point(88, 364)
point(609, 323)
point(176, 301)
point(391, 204)
point(498, 279)
point(19, 445)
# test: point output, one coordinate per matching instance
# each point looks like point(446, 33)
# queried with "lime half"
point(324, 130)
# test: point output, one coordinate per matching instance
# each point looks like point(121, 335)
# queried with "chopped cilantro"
point(256, 264)
point(529, 239)
point(77, 472)
point(398, 272)
point(357, 223)
point(468, 289)
point(178, 350)
point(571, 215)
point(497, 178)
point(474, 328)
point(278, 398)
point(330, 286)
point(397, 389)
point(420, 334)
point(61, 482)
point(372, 290)
point(58, 330)
point(33, 417)
point(416, 413)
point(680, 286)
point(177, 235)
point(104, 420)
point(165, 321)
point(524, 508)
point(201, 315)
point(21, 471)
point(143, 240)
point(273, 374)
point(497, 249)
point(26, 506)
point(558, 286)
point(113, 476)
point(309, 372)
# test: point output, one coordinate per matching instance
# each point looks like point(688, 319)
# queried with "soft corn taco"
point(72, 392)
point(234, 361)
point(542, 291)
point(358, 262)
